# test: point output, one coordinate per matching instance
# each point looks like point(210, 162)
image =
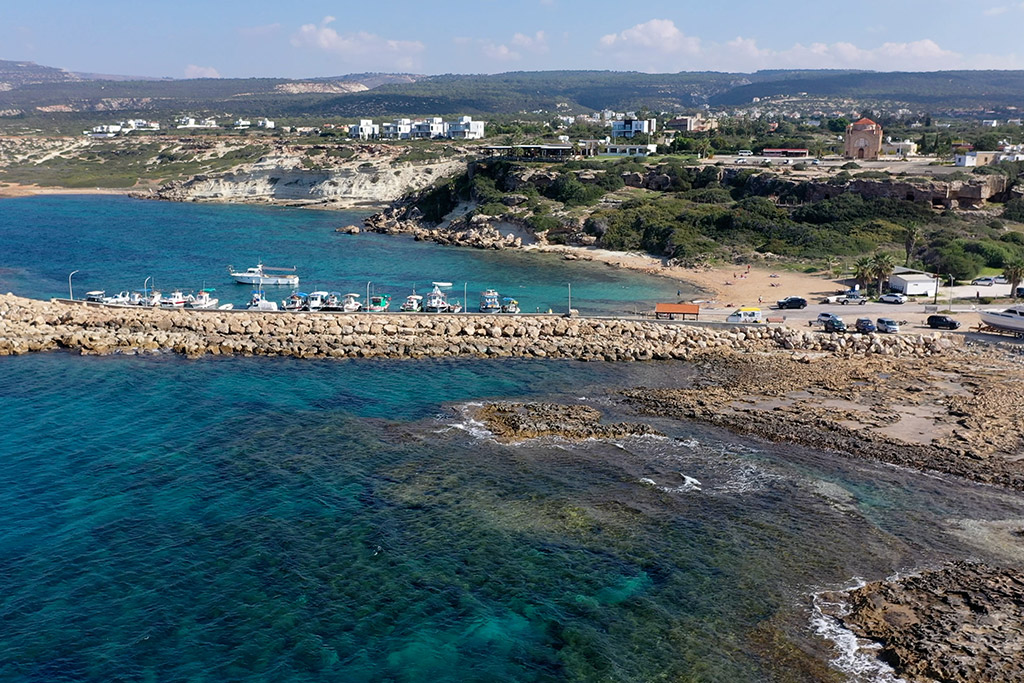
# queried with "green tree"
point(882, 265)
point(863, 271)
point(910, 237)
point(1014, 273)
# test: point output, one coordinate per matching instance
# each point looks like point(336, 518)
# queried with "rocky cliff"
point(374, 175)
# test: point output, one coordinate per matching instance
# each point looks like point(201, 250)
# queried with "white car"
point(892, 298)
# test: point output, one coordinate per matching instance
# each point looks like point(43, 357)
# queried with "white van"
point(744, 153)
point(745, 315)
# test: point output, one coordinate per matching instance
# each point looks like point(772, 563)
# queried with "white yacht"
point(265, 275)
point(1010, 319)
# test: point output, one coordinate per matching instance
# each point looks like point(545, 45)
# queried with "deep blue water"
point(116, 243)
point(266, 519)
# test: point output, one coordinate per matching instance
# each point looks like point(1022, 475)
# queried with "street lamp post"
point(950, 291)
point(71, 294)
point(570, 297)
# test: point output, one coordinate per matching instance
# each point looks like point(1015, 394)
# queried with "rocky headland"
point(963, 623)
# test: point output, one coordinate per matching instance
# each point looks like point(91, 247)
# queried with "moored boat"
point(412, 304)
point(332, 302)
point(379, 303)
point(509, 305)
point(1010, 319)
point(316, 300)
point(351, 304)
point(96, 296)
point(259, 302)
point(202, 299)
point(490, 301)
point(296, 301)
point(175, 299)
point(265, 275)
point(437, 301)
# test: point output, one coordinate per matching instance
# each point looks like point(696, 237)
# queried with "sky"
point(315, 38)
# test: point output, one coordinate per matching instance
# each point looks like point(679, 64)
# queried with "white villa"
point(242, 124)
point(189, 122)
point(366, 129)
point(265, 123)
point(629, 127)
point(629, 150)
point(466, 129)
point(399, 129)
point(433, 127)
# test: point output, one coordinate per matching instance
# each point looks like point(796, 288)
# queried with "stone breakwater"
point(28, 325)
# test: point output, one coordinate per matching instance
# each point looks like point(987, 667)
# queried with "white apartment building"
point(189, 122)
point(399, 129)
point(629, 127)
point(466, 129)
point(433, 127)
point(140, 124)
point(366, 129)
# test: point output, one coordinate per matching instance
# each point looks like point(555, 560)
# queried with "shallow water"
point(115, 243)
point(285, 520)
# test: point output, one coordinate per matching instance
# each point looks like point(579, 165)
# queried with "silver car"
point(887, 325)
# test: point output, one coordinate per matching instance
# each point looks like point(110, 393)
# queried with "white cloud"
point(358, 47)
point(515, 49)
point(538, 42)
point(500, 53)
point(995, 11)
point(659, 36)
point(660, 46)
point(193, 71)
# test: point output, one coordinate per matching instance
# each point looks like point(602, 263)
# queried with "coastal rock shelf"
point(28, 325)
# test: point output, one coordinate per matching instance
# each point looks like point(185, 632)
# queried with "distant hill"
point(40, 90)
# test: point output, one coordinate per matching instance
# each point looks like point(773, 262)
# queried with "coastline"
point(13, 190)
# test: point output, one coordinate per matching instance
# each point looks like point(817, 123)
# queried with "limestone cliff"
point(374, 175)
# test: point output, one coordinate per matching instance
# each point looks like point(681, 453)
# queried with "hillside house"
point(427, 129)
point(366, 129)
point(630, 127)
point(466, 129)
point(399, 129)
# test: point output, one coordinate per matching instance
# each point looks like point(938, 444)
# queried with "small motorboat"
point(145, 297)
point(412, 304)
point(1008, 320)
point(509, 305)
point(316, 301)
point(202, 299)
point(97, 296)
point(120, 299)
point(379, 303)
point(258, 302)
point(351, 303)
point(175, 299)
point(332, 302)
point(295, 302)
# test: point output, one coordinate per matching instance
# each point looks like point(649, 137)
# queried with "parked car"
point(1020, 291)
point(792, 302)
point(887, 325)
point(942, 322)
point(851, 297)
point(835, 325)
point(892, 298)
point(816, 162)
point(825, 317)
point(984, 281)
point(1001, 280)
point(864, 325)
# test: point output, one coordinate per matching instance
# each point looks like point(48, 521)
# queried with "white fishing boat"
point(97, 296)
point(455, 306)
point(379, 303)
point(509, 305)
point(316, 300)
point(296, 301)
point(437, 301)
point(351, 304)
point(145, 297)
point(202, 299)
point(1010, 319)
point(259, 302)
point(332, 302)
point(412, 304)
point(490, 301)
point(265, 275)
point(175, 299)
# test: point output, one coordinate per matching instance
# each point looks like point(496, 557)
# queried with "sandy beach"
point(10, 190)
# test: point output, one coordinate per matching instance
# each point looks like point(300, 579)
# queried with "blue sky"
point(319, 38)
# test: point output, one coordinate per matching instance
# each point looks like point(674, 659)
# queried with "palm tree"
point(863, 271)
point(882, 265)
point(1014, 272)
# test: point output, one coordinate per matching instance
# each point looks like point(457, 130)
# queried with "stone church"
point(863, 140)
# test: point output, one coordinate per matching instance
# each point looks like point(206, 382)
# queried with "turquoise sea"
point(265, 519)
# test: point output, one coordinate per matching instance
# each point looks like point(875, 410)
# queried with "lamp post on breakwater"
point(570, 297)
point(71, 294)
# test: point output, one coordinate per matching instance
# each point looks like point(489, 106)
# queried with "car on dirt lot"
point(792, 302)
point(892, 298)
point(942, 322)
point(825, 317)
point(835, 325)
point(887, 325)
point(864, 325)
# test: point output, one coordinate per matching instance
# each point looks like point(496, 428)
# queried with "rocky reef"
point(962, 624)
point(518, 421)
